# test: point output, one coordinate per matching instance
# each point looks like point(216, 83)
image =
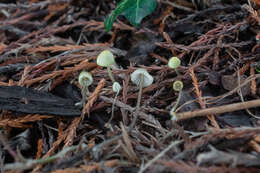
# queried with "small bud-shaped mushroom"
point(106, 59)
point(174, 62)
point(85, 79)
point(177, 86)
point(116, 88)
point(141, 78)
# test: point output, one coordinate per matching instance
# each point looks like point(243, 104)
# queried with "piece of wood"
point(27, 100)
point(217, 110)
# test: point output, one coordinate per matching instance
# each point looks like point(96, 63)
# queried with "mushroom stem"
point(110, 74)
point(113, 108)
point(84, 91)
point(176, 105)
point(84, 94)
point(177, 72)
point(138, 103)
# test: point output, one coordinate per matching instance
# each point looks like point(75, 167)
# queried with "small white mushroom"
point(136, 77)
point(106, 59)
point(85, 79)
point(141, 78)
point(116, 88)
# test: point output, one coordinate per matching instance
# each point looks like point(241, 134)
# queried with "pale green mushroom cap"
point(105, 59)
point(174, 62)
point(177, 85)
point(137, 74)
point(85, 78)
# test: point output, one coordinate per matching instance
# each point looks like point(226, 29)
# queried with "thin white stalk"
point(172, 112)
point(138, 103)
point(110, 74)
point(113, 108)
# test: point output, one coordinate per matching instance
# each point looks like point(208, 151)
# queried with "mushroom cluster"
point(139, 77)
point(174, 63)
point(106, 59)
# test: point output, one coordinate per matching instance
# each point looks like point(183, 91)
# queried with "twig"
point(201, 47)
point(142, 169)
point(2, 161)
point(115, 138)
point(242, 98)
point(29, 163)
point(217, 110)
point(122, 105)
point(199, 95)
point(178, 6)
point(218, 98)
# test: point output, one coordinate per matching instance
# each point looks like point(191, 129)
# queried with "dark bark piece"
point(11, 68)
point(230, 82)
point(27, 100)
point(231, 158)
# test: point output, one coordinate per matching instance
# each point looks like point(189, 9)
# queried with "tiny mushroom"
point(85, 79)
point(106, 59)
point(174, 62)
point(177, 86)
point(141, 78)
point(116, 88)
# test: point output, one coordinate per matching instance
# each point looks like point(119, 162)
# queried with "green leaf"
point(133, 10)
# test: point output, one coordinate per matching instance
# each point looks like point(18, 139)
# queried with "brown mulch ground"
point(44, 45)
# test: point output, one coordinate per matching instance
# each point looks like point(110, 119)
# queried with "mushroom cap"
point(116, 87)
point(85, 78)
point(177, 85)
point(174, 62)
point(105, 58)
point(137, 74)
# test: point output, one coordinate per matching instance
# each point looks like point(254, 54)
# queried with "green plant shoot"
point(133, 10)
